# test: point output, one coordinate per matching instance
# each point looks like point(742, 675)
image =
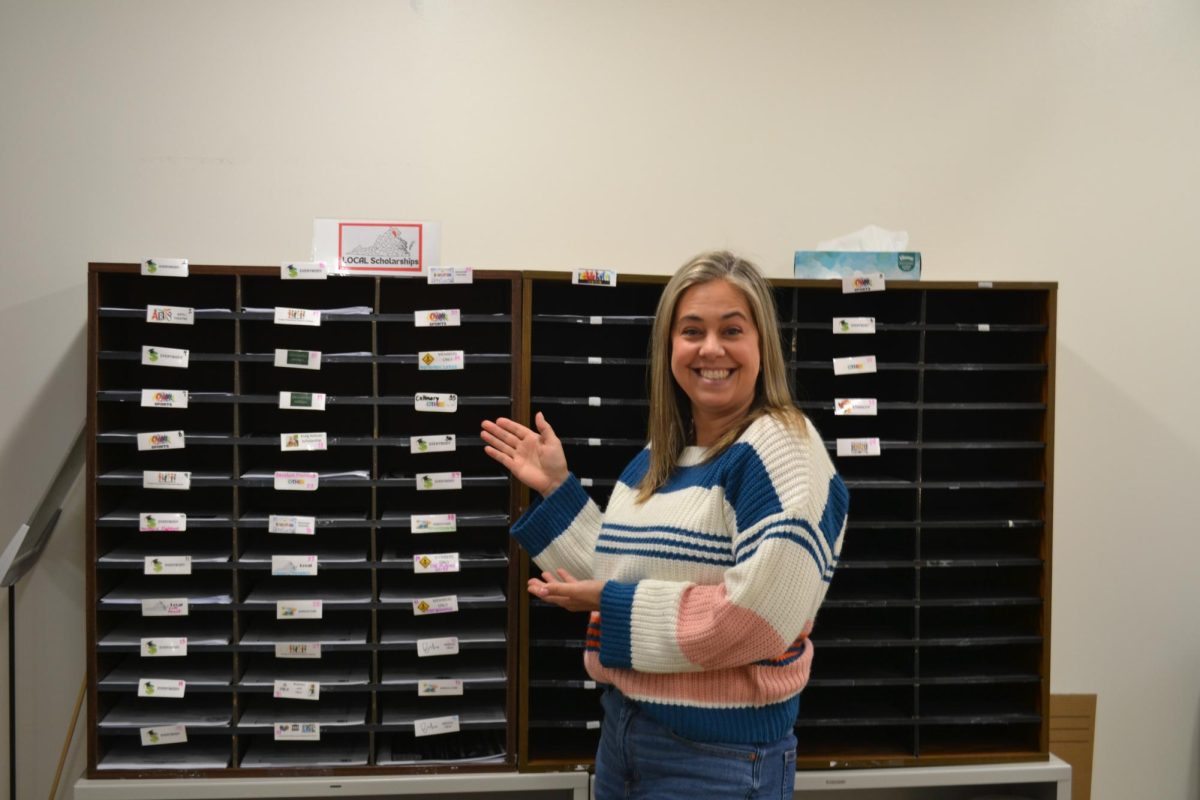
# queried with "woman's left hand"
point(566, 591)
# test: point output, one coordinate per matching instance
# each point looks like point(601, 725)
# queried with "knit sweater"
point(711, 585)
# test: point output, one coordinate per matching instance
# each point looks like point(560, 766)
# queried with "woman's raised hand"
point(535, 459)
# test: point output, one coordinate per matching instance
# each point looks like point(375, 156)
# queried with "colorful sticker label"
point(297, 731)
point(451, 275)
point(164, 647)
point(166, 523)
point(281, 523)
point(435, 562)
point(303, 271)
point(594, 277)
point(160, 440)
point(302, 401)
point(293, 565)
point(296, 481)
point(163, 734)
point(440, 687)
point(165, 267)
point(298, 359)
point(860, 282)
point(297, 316)
point(164, 357)
point(433, 523)
point(165, 607)
point(297, 649)
point(166, 480)
point(164, 398)
point(155, 687)
point(437, 318)
point(298, 609)
point(441, 646)
point(435, 360)
point(297, 690)
point(303, 442)
point(167, 565)
point(858, 447)
point(855, 406)
point(445, 604)
point(171, 315)
point(434, 726)
point(854, 365)
point(442, 443)
point(438, 481)
point(440, 403)
point(853, 325)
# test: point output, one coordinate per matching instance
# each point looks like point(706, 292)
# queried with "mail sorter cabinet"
point(298, 551)
point(936, 402)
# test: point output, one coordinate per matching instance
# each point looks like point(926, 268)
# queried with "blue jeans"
point(639, 759)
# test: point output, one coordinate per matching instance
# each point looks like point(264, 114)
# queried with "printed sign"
point(433, 523)
point(164, 398)
point(442, 443)
point(293, 565)
point(594, 277)
point(302, 271)
point(853, 325)
point(160, 440)
point(164, 357)
point(854, 365)
point(167, 565)
point(297, 731)
point(380, 247)
point(855, 406)
point(296, 481)
point(171, 315)
point(166, 480)
point(165, 267)
point(165, 607)
point(302, 442)
point(435, 562)
point(297, 316)
point(437, 481)
point(860, 282)
point(302, 401)
point(445, 604)
point(163, 734)
point(451, 275)
point(155, 687)
point(280, 523)
point(298, 359)
point(437, 318)
point(297, 690)
point(297, 649)
point(440, 360)
point(163, 647)
point(440, 687)
point(435, 725)
point(442, 646)
point(298, 609)
point(441, 403)
point(166, 523)
point(858, 447)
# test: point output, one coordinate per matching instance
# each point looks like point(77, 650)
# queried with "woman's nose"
point(711, 346)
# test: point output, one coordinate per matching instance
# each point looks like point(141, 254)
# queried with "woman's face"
point(714, 350)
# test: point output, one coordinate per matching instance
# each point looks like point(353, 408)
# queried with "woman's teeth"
point(715, 374)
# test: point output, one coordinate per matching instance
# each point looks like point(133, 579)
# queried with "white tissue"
point(871, 239)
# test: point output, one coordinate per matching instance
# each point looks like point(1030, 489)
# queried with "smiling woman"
point(704, 573)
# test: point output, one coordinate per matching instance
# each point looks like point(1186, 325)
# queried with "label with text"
point(435, 360)
point(163, 734)
point(157, 687)
point(293, 565)
point(164, 398)
point(160, 440)
point(171, 315)
point(451, 275)
point(298, 359)
point(303, 442)
point(854, 365)
point(435, 562)
point(438, 403)
point(594, 277)
point(286, 523)
point(445, 604)
point(302, 401)
point(433, 523)
point(853, 325)
point(442, 443)
point(297, 731)
point(860, 282)
point(437, 318)
point(163, 647)
point(439, 646)
point(164, 357)
point(296, 481)
point(855, 406)
point(434, 726)
point(165, 607)
point(165, 267)
point(858, 447)
point(166, 523)
point(152, 479)
point(298, 609)
point(167, 565)
point(303, 271)
point(439, 687)
point(297, 316)
point(297, 690)
point(297, 649)
point(438, 481)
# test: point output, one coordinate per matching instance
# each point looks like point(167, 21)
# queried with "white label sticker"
point(298, 690)
point(436, 481)
point(593, 401)
point(589, 684)
point(594, 277)
point(853, 325)
point(592, 724)
point(858, 282)
point(164, 357)
point(303, 442)
point(596, 320)
point(297, 649)
point(433, 523)
point(858, 447)
point(984, 327)
point(296, 481)
point(155, 687)
point(298, 609)
point(167, 565)
point(854, 365)
point(451, 275)
point(437, 318)
point(446, 604)
point(585, 482)
point(435, 725)
point(164, 647)
point(439, 687)
point(303, 271)
point(293, 565)
point(435, 562)
point(442, 443)
point(165, 267)
point(985, 284)
point(160, 440)
point(430, 401)
point(166, 480)
point(163, 734)
point(855, 406)
point(444, 646)
point(165, 607)
point(438, 360)
point(164, 398)
point(302, 401)
point(298, 731)
point(167, 523)
point(594, 442)
point(297, 316)
point(171, 315)
point(595, 360)
point(281, 523)
point(298, 359)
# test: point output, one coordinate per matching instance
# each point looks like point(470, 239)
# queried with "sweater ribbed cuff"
point(616, 623)
point(543, 522)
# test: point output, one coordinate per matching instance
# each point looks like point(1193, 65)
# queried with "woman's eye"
point(733, 331)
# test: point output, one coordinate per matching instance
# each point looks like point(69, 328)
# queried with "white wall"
point(1015, 139)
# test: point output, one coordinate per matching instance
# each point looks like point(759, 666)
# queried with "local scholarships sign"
point(365, 247)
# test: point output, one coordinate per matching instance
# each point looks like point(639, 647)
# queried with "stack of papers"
point(330, 670)
point(198, 631)
point(324, 631)
point(197, 589)
point(136, 550)
point(471, 747)
point(271, 590)
point(189, 755)
point(264, 713)
point(136, 712)
point(340, 751)
point(210, 670)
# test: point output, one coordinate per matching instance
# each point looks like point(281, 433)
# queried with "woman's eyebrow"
point(726, 315)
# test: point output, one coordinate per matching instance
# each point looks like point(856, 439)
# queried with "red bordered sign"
point(377, 247)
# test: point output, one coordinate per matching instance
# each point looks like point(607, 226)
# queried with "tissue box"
point(842, 263)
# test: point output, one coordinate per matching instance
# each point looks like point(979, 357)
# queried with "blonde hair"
point(670, 408)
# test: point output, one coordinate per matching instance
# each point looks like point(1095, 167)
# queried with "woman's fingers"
point(497, 442)
point(503, 458)
point(512, 428)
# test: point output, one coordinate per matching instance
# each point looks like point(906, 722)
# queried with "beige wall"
point(1015, 139)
